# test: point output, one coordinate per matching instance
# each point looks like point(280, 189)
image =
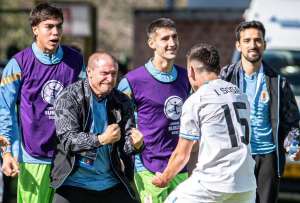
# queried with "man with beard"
point(274, 111)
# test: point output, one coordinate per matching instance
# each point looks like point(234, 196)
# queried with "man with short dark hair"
point(224, 171)
point(158, 90)
point(32, 79)
point(94, 125)
point(274, 111)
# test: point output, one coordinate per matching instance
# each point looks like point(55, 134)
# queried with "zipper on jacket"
point(277, 128)
point(120, 178)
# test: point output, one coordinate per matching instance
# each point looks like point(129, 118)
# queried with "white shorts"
point(192, 191)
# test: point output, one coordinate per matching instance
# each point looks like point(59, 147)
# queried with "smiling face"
point(48, 34)
point(164, 41)
point(251, 45)
point(102, 73)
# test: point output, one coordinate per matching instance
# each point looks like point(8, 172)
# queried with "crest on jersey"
point(264, 97)
point(173, 107)
point(50, 91)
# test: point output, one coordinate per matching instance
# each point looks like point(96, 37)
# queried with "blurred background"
point(119, 26)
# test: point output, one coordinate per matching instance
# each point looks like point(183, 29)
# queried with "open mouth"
point(54, 41)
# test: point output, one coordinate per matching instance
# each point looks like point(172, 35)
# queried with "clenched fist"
point(10, 166)
point(137, 138)
point(111, 135)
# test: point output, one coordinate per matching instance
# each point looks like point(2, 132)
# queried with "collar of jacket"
point(113, 105)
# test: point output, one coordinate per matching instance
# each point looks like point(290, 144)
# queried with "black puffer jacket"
point(283, 107)
point(73, 121)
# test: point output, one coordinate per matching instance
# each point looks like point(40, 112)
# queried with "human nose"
point(109, 78)
point(252, 44)
point(56, 30)
point(172, 41)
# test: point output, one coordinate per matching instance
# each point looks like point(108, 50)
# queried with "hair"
point(206, 54)
point(249, 24)
point(160, 23)
point(44, 11)
point(100, 53)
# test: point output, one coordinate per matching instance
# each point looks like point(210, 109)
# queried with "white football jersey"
point(218, 115)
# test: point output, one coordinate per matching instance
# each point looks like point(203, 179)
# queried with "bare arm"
point(177, 161)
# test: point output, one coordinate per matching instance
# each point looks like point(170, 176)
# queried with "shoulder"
point(228, 70)
point(23, 54)
point(269, 71)
point(120, 97)
point(135, 71)
point(72, 52)
point(72, 92)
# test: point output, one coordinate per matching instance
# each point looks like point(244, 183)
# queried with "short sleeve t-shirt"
point(217, 115)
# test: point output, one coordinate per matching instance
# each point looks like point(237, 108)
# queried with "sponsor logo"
point(51, 90)
point(173, 107)
point(264, 97)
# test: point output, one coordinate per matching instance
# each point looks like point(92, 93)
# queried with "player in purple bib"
point(158, 90)
point(32, 80)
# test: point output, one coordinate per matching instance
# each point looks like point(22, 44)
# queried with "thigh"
point(34, 183)
point(70, 194)
point(193, 191)
point(147, 191)
point(243, 197)
point(118, 193)
point(266, 178)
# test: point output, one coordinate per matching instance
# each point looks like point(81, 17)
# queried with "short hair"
point(44, 11)
point(206, 54)
point(160, 23)
point(101, 53)
point(249, 24)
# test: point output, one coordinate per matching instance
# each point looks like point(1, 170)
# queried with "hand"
point(297, 155)
point(111, 135)
point(159, 180)
point(10, 166)
point(137, 138)
point(3, 143)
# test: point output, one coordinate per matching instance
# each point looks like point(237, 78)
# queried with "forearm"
point(9, 92)
point(176, 163)
point(79, 141)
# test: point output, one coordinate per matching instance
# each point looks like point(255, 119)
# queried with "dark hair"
point(160, 23)
point(249, 24)
point(44, 11)
point(206, 54)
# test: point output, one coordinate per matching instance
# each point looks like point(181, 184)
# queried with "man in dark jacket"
point(94, 124)
point(274, 111)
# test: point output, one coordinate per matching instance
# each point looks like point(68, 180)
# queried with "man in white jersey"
point(216, 115)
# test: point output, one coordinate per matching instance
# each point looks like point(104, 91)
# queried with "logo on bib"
point(50, 91)
point(173, 107)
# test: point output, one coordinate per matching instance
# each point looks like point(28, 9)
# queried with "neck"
point(250, 67)
point(162, 65)
point(204, 78)
point(45, 51)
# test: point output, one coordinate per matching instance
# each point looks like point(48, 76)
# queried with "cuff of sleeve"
point(96, 141)
point(189, 137)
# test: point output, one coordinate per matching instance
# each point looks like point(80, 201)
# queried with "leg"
point(34, 183)
point(69, 194)
point(266, 178)
point(118, 193)
point(192, 191)
point(243, 197)
point(147, 191)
